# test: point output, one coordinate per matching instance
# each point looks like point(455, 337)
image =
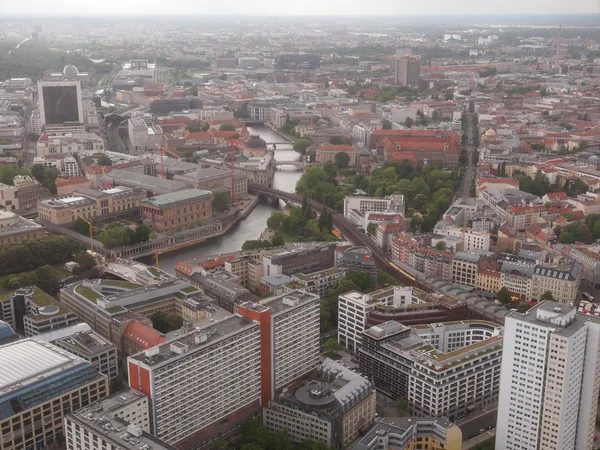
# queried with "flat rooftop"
point(27, 361)
point(177, 197)
point(288, 301)
point(86, 342)
point(213, 331)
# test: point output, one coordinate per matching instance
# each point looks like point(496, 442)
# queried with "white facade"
point(71, 167)
point(353, 308)
point(35, 123)
point(549, 380)
point(393, 203)
point(471, 239)
point(143, 134)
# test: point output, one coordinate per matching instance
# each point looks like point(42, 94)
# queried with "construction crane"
point(162, 149)
point(91, 232)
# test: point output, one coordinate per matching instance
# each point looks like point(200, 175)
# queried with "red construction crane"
point(162, 150)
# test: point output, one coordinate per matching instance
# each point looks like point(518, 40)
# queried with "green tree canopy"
point(104, 160)
point(227, 127)
point(221, 201)
point(332, 345)
point(504, 296)
point(547, 296)
point(362, 280)
point(342, 160)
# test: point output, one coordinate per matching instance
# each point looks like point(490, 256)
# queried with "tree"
point(435, 115)
point(104, 160)
point(338, 140)
point(332, 345)
point(401, 406)
point(206, 127)
point(142, 233)
point(547, 296)
point(342, 160)
point(227, 127)
point(277, 240)
point(85, 261)
point(300, 145)
point(386, 124)
point(166, 322)
point(251, 447)
point(81, 226)
point(372, 228)
point(322, 218)
point(275, 220)
point(47, 279)
point(504, 296)
point(362, 280)
point(409, 122)
point(305, 206)
point(221, 201)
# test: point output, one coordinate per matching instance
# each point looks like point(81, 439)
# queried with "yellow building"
point(14, 228)
point(411, 433)
point(488, 280)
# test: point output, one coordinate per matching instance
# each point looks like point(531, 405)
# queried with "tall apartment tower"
point(407, 70)
point(550, 379)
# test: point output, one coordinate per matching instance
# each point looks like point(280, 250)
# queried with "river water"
point(250, 228)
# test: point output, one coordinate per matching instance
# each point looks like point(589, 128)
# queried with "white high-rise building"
point(550, 380)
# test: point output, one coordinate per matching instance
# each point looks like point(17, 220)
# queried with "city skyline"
point(385, 8)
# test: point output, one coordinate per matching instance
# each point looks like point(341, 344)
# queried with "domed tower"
point(70, 71)
point(489, 136)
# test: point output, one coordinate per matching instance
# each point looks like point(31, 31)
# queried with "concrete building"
point(121, 421)
point(39, 385)
point(550, 379)
point(92, 204)
point(442, 369)
point(357, 207)
point(354, 308)
point(321, 282)
point(406, 433)
point(93, 348)
point(561, 280)
point(140, 180)
point(407, 71)
point(178, 209)
point(212, 178)
point(326, 153)
point(300, 259)
point(358, 259)
point(60, 102)
point(30, 311)
point(464, 268)
point(233, 365)
point(144, 134)
point(333, 408)
point(14, 228)
point(23, 194)
point(66, 186)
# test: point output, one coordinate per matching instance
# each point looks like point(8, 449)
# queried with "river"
point(285, 179)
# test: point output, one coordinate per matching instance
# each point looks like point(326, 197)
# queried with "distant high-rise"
point(550, 379)
point(407, 70)
point(60, 102)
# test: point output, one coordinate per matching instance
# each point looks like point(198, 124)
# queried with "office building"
point(66, 186)
point(30, 311)
point(356, 208)
point(354, 308)
point(297, 61)
point(60, 102)
point(135, 73)
point(242, 361)
point(407, 433)
point(561, 280)
point(118, 422)
point(300, 259)
point(358, 259)
point(321, 282)
point(144, 134)
point(327, 153)
point(39, 385)
point(93, 348)
point(464, 268)
point(178, 209)
point(23, 194)
point(418, 146)
point(441, 369)
point(407, 71)
point(550, 379)
point(333, 408)
point(212, 179)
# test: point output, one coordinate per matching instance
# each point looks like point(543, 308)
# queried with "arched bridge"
point(354, 235)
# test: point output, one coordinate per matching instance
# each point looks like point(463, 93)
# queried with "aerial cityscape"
point(302, 227)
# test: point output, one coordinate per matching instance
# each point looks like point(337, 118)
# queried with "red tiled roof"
point(72, 180)
point(143, 335)
point(335, 148)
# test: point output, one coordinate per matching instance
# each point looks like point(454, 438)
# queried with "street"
point(465, 188)
point(481, 420)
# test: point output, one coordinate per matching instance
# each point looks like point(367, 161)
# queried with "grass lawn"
point(122, 284)
point(190, 289)
point(88, 293)
point(154, 271)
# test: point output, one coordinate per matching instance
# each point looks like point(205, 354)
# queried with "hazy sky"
point(304, 7)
